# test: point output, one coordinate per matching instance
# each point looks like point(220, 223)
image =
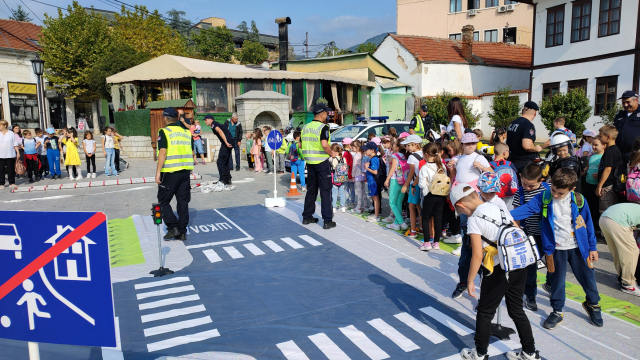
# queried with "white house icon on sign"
point(74, 264)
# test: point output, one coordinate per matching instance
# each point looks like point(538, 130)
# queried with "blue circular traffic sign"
point(274, 139)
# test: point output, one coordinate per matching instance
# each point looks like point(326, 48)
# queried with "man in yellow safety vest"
point(316, 150)
point(175, 162)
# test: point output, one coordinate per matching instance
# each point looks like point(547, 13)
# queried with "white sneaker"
point(388, 220)
point(373, 218)
point(79, 176)
point(472, 354)
point(395, 227)
point(343, 209)
point(633, 290)
point(71, 177)
point(457, 251)
point(93, 175)
point(456, 239)
point(404, 226)
point(304, 188)
point(521, 355)
point(335, 210)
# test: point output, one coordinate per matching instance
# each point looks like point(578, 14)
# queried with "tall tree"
point(252, 53)
point(118, 57)
point(366, 48)
point(252, 34)
point(214, 44)
point(147, 32)
point(20, 15)
point(71, 44)
point(178, 22)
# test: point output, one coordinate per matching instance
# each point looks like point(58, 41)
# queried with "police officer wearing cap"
point(416, 126)
point(316, 150)
point(521, 137)
point(627, 122)
point(224, 156)
point(175, 162)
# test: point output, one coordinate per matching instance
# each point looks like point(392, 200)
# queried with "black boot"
point(171, 233)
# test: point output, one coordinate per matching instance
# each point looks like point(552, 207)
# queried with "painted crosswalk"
point(160, 319)
point(257, 249)
point(399, 332)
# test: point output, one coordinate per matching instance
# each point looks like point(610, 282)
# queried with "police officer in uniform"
point(175, 162)
point(316, 150)
point(627, 122)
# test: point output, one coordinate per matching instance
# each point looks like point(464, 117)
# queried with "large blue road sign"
point(55, 283)
point(274, 139)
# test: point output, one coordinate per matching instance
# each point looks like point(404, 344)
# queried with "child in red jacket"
point(348, 158)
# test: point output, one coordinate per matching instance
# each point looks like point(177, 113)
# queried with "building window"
point(491, 36)
point(555, 25)
point(476, 36)
point(549, 90)
point(211, 96)
point(609, 17)
point(457, 36)
point(23, 105)
point(581, 20)
point(510, 2)
point(606, 89)
point(509, 35)
point(473, 4)
point(455, 5)
point(578, 84)
point(492, 3)
point(297, 95)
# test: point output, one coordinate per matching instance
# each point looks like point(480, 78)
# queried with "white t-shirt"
point(586, 147)
point(90, 145)
point(479, 226)
point(465, 171)
point(108, 141)
point(7, 143)
point(499, 202)
point(562, 224)
point(411, 160)
point(455, 119)
point(42, 150)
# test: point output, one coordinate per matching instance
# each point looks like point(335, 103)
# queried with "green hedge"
point(133, 122)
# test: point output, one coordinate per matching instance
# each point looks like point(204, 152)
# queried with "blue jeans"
point(351, 192)
point(53, 157)
point(335, 192)
point(298, 167)
point(109, 166)
point(585, 276)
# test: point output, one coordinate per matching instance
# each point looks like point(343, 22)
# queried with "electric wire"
point(23, 29)
point(34, 14)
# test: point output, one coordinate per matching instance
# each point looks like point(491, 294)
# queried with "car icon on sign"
point(10, 240)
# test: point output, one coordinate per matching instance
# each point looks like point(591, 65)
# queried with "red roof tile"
point(429, 49)
point(17, 34)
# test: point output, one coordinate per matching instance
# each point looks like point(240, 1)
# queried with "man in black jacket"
point(627, 122)
point(235, 128)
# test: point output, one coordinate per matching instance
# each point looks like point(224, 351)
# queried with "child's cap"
point(50, 130)
point(404, 135)
point(370, 146)
point(347, 141)
point(469, 138)
point(376, 140)
point(488, 183)
point(412, 139)
point(458, 192)
point(589, 132)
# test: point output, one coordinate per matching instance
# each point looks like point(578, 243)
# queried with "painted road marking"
point(157, 330)
point(166, 302)
point(421, 328)
point(447, 321)
point(394, 335)
point(233, 252)
point(181, 340)
point(173, 313)
point(212, 255)
point(292, 243)
point(291, 351)
point(165, 292)
point(364, 343)
point(161, 283)
point(310, 240)
point(328, 347)
point(273, 246)
point(254, 249)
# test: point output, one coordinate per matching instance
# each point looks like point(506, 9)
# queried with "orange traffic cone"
point(293, 190)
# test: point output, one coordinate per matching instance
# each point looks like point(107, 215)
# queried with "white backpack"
point(516, 250)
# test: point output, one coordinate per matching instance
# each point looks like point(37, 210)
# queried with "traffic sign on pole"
point(55, 286)
point(274, 140)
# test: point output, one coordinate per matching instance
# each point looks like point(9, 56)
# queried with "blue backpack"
point(293, 152)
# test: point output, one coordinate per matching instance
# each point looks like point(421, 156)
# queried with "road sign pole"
point(34, 351)
point(274, 139)
point(162, 270)
point(275, 180)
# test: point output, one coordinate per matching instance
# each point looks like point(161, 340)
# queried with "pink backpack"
point(402, 169)
point(633, 184)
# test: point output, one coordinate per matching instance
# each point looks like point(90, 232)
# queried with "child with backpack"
point(506, 173)
point(489, 227)
point(339, 176)
point(413, 145)
point(359, 178)
point(348, 159)
point(609, 166)
point(375, 170)
point(566, 240)
point(531, 185)
point(398, 170)
point(591, 180)
point(561, 148)
point(435, 185)
point(297, 164)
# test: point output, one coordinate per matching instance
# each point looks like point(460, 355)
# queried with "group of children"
point(260, 156)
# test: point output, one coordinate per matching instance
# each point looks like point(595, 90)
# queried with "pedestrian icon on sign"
point(32, 298)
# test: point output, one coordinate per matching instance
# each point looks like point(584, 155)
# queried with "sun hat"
point(412, 139)
point(589, 132)
point(347, 141)
point(488, 183)
point(469, 138)
point(376, 140)
point(51, 130)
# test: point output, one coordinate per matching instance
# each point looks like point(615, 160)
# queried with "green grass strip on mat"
point(124, 243)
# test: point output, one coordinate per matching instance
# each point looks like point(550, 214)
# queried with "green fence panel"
point(218, 117)
point(348, 119)
point(393, 106)
point(301, 118)
point(133, 122)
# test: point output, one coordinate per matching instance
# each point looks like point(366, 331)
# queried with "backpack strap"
point(578, 199)
point(546, 200)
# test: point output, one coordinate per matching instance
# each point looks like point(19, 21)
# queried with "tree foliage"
point(573, 106)
point(368, 47)
point(332, 50)
point(252, 52)
point(214, 44)
point(609, 114)
point(250, 34)
point(504, 108)
point(178, 22)
point(117, 58)
point(438, 109)
point(71, 44)
point(20, 15)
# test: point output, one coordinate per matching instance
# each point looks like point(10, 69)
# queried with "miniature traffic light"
point(157, 214)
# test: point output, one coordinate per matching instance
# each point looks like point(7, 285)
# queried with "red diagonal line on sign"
point(47, 256)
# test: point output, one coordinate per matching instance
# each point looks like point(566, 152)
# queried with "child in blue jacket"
point(567, 237)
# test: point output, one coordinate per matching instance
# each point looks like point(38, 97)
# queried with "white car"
point(10, 240)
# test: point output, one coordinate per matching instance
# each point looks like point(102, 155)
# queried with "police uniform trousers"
point(175, 183)
point(318, 177)
point(224, 164)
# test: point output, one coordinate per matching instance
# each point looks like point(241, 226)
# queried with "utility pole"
point(306, 42)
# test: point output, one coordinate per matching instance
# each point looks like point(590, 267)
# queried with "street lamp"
point(38, 69)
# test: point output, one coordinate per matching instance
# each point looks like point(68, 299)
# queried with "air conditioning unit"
point(472, 12)
point(511, 7)
point(502, 9)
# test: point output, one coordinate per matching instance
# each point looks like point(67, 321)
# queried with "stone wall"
point(137, 147)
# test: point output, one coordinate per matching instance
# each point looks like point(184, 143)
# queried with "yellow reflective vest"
point(419, 129)
point(312, 150)
point(179, 152)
